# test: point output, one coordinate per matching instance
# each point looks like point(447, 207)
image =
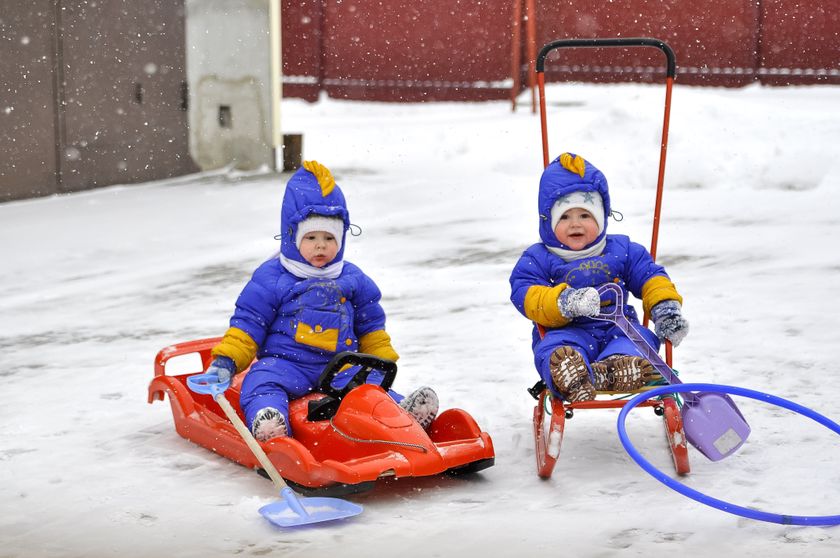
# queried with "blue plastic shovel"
point(713, 424)
point(292, 510)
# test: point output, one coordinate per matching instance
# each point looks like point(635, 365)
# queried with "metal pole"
point(516, 52)
point(276, 77)
point(531, 34)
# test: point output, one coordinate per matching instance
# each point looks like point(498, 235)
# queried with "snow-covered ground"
point(92, 285)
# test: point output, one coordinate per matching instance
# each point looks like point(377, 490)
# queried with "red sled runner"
point(344, 440)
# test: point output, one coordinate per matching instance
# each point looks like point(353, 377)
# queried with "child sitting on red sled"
point(302, 307)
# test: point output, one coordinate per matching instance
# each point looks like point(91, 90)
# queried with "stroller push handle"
point(671, 68)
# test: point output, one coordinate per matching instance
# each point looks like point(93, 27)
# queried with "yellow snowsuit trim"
point(317, 336)
point(541, 301)
point(378, 343)
point(237, 346)
point(657, 289)
point(541, 305)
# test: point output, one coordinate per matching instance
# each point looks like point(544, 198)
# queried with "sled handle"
point(368, 364)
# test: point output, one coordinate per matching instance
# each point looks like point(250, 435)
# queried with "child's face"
point(318, 248)
point(577, 228)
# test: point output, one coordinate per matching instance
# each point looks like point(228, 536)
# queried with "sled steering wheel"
point(368, 364)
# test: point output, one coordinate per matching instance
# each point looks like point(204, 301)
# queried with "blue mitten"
point(223, 368)
point(576, 303)
point(669, 322)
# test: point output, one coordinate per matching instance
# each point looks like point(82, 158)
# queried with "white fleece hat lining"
point(590, 201)
point(332, 225)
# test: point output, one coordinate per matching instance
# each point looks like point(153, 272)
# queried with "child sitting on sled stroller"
point(554, 285)
point(303, 306)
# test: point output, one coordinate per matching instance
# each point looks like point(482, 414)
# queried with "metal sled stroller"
point(551, 413)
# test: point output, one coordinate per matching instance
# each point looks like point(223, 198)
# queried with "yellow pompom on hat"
point(323, 174)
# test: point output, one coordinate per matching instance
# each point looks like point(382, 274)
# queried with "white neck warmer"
point(572, 255)
point(306, 271)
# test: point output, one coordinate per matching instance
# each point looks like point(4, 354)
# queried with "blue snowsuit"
point(540, 276)
point(294, 325)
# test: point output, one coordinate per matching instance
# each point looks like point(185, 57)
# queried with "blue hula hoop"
point(699, 496)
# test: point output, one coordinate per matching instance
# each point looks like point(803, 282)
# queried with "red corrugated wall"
point(800, 43)
point(712, 46)
point(377, 50)
point(302, 46)
point(419, 50)
point(464, 49)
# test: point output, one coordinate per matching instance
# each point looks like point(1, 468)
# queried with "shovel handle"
point(251, 441)
point(200, 384)
point(616, 316)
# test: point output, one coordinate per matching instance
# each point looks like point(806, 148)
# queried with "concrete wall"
point(120, 91)
point(228, 73)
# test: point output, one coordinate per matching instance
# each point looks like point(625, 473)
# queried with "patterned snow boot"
point(422, 404)
point(269, 423)
point(568, 370)
point(622, 373)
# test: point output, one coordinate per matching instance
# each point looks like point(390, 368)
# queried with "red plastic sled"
point(548, 430)
point(343, 442)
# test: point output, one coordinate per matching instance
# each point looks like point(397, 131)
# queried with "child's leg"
point(619, 344)
point(271, 384)
point(620, 366)
point(562, 358)
point(570, 374)
point(422, 404)
point(269, 423)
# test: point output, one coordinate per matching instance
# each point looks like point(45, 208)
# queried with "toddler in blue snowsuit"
point(554, 285)
point(302, 307)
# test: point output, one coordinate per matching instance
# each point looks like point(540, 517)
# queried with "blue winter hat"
point(311, 191)
point(570, 175)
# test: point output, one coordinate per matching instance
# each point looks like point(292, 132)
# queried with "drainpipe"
point(276, 77)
